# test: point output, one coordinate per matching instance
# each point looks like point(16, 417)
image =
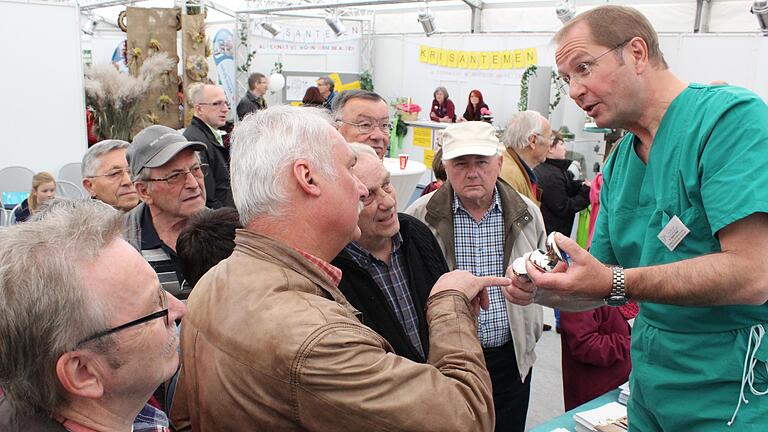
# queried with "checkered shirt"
point(480, 251)
point(392, 279)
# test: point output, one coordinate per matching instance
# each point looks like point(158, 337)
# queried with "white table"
point(405, 180)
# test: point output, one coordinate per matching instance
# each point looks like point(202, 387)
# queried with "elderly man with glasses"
point(210, 113)
point(362, 116)
point(683, 209)
point(527, 139)
point(106, 175)
point(388, 272)
point(87, 332)
point(168, 176)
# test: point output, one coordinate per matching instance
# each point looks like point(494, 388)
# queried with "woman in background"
point(43, 189)
point(475, 106)
point(312, 98)
point(443, 109)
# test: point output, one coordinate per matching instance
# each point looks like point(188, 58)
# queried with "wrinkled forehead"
point(371, 171)
point(573, 44)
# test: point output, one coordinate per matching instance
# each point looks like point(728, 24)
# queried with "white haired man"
point(270, 343)
point(87, 332)
point(362, 116)
point(106, 175)
point(527, 139)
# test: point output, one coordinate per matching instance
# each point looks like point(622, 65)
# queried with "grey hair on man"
point(91, 162)
point(329, 82)
point(360, 149)
point(46, 306)
point(520, 127)
point(264, 145)
point(341, 100)
point(195, 93)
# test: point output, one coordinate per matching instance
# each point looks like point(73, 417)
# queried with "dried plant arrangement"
point(115, 96)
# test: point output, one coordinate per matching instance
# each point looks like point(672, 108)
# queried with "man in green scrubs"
point(683, 209)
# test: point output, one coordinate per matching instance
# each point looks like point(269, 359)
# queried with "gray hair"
point(329, 82)
point(360, 149)
point(521, 126)
point(91, 161)
point(267, 142)
point(340, 101)
point(195, 93)
point(46, 305)
point(440, 89)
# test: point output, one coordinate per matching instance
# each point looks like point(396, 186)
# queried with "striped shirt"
point(392, 279)
point(480, 251)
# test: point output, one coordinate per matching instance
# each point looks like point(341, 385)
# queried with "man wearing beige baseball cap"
point(482, 225)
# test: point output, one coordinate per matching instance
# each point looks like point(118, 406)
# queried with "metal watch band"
point(618, 295)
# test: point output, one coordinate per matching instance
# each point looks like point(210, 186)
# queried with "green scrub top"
point(707, 166)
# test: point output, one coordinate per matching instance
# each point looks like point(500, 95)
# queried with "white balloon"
point(276, 82)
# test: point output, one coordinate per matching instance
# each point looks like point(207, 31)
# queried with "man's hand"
point(586, 277)
point(471, 286)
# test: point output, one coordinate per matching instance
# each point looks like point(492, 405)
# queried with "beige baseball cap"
point(470, 138)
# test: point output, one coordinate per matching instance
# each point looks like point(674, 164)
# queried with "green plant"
point(522, 104)
point(243, 32)
point(366, 81)
point(277, 68)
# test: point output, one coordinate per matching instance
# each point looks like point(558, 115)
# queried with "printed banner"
point(294, 39)
point(483, 60)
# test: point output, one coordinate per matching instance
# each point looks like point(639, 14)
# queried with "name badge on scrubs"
point(673, 233)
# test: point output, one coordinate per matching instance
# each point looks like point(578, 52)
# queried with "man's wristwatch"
point(618, 295)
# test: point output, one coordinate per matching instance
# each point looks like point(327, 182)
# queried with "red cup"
point(403, 161)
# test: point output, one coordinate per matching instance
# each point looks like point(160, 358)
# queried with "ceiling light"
point(336, 25)
point(566, 11)
point(272, 28)
point(427, 20)
point(760, 10)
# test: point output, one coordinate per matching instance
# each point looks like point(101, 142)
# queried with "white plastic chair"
point(11, 215)
point(71, 172)
point(15, 179)
point(67, 189)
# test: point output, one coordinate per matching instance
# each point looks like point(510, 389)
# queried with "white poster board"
point(44, 105)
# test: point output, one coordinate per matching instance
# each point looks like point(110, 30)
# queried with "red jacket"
point(595, 347)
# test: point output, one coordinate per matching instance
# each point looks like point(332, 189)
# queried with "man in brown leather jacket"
point(270, 343)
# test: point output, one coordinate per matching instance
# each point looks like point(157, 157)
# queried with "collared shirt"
point(480, 251)
point(333, 272)
point(150, 419)
point(392, 279)
point(162, 258)
point(216, 134)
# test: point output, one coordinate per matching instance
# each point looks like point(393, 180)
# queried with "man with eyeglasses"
point(325, 86)
point(254, 97)
point(168, 176)
point(683, 209)
point(87, 332)
point(211, 109)
point(527, 139)
point(362, 116)
point(388, 272)
point(106, 176)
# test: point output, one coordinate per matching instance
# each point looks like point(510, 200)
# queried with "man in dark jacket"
point(561, 196)
point(211, 108)
point(254, 97)
point(388, 273)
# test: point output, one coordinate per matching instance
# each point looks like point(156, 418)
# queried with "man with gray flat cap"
point(169, 179)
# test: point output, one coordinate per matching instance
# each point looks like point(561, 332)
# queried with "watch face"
point(616, 300)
